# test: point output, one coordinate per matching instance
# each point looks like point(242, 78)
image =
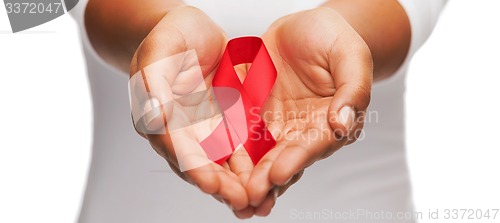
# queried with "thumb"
point(152, 86)
point(150, 100)
point(167, 66)
point(353, 75)
point(155, 87)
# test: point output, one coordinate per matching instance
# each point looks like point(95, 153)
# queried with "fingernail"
point(153, 111)
point(346, 117)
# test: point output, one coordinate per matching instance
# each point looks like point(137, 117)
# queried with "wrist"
point(115, 28)
point(384, 26)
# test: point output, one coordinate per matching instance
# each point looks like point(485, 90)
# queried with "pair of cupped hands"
point(324, 78)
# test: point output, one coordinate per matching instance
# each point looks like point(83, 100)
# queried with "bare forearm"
point(384, 26)
point(117, 27)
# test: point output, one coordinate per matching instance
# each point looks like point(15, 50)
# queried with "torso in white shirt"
point(128, 182)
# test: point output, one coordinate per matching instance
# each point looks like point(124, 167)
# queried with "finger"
point(301, 152)
point(193, 165)
point(265, 208)
point(184, 152)
point(226, 166)
point(357, 133)
point(211, 184)
point(196, 169)
point(241, 164)
point(295, 179)
point(232, 191)
point(205, 178)
point(259, 184)
point(248, 212)
point(351, 66)
point(215, 180)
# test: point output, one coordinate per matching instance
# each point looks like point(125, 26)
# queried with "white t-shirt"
point(363, 182)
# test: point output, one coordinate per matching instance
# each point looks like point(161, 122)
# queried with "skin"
point(346, 45)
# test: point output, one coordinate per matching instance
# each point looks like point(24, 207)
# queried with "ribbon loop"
point(239, 127)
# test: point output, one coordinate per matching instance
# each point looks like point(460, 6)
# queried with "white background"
point(452, 101)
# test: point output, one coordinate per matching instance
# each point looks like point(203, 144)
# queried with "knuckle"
point(265, 164)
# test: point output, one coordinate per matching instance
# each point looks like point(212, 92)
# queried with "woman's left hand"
point(318, 102)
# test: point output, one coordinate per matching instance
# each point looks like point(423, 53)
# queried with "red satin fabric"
point(245, 127)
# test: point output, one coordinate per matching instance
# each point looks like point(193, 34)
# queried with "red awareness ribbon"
point(245, 125)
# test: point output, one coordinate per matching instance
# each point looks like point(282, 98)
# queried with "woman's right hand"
point(177, 60)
